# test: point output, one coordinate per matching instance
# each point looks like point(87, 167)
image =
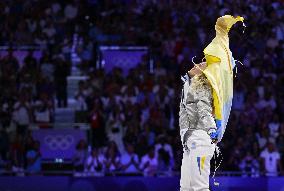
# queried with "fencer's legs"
point(185, 170)
point(195, 169)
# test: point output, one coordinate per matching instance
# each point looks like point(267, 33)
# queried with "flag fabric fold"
point(219, 71)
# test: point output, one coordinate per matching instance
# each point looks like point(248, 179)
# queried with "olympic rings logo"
point(62, 142)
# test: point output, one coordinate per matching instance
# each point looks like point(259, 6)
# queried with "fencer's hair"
point(199, 81)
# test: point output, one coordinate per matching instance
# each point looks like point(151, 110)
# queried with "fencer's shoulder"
point(185, 79)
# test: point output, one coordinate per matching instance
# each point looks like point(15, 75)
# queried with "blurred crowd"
point(155, 160)
point(134, 118)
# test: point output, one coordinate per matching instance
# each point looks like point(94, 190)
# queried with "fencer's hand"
point(197, 69)
point(213, 135)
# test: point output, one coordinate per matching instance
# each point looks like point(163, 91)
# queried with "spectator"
point(60, 76)
point(80, 156)
point(162, 144)
point(4, 144)
point(249, 165)
point(239, 96)
point(45, 87)
point(43, 111)
point(30, 61)
point(274, 126)
point(271, 160)
point(6, 108)
point(141, 145)
point(115, 128)
point(22, 115)
point(46, 66)
point(97, 126)
point(268, 101)
point(129, 160)
point(94, 163)
point(34, 159)
point(164, 161)
point(280, 143)
point(16, 154)
point(29, 144)
point(2, 164)
point(149, 163)
point(70, 11)
point(10, 65)
point(262, 137)
point(81, 105)
point(112, 158)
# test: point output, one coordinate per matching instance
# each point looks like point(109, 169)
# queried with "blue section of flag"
point(219, 128)
point(218, 123)
point(233, 62)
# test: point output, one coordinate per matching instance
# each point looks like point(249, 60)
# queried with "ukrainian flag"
point(219, 71)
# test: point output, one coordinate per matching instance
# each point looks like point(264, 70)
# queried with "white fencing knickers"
point(195, 169)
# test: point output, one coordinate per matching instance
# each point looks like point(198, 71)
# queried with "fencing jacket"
point(196, 106)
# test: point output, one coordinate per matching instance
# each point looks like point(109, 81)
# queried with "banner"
point(123, 58)
point(58, 143)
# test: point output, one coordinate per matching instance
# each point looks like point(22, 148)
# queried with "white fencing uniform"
point(195, 120)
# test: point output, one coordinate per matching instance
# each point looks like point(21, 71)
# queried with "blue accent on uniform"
point(198, 163)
